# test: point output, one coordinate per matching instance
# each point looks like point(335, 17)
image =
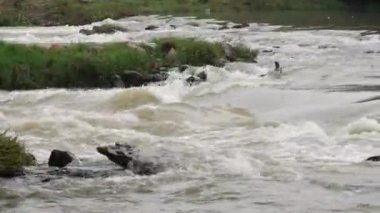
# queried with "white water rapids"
point(237, 143)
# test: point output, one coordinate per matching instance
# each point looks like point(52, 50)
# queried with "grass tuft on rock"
point(94, 65)
point(13, 154)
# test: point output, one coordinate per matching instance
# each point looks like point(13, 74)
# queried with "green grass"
point(92, 66)
point(12, 153)
point(73, 12)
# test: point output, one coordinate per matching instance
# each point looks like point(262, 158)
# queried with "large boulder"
point(60, 158)
point(128, 157)
point(133, 79)
point(373, 158)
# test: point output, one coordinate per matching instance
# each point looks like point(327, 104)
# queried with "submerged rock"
point(128, 157)
point(103, 29)
point(11, 172)
point(151, 27)
point(373, 158)
point(196, 79)
point(60, 158)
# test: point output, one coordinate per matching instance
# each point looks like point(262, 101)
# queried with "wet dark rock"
point(11, 172)
point(373, 158)
point(173, 26)
point(81, 173)
point(86, 32)
point(103, 29)
point(267, 51)
point(151, 27)
point(196, 79)
point(162, 76)
point(60, 158)
point(193, 24)
point(128, 157)
point(183, 68)
point(133, 79)
point(224, 27)
point(202, 76)
point(239, 26)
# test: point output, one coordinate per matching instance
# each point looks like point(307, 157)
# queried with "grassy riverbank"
point(78, 12)
point(12, 156)
point(92, 65)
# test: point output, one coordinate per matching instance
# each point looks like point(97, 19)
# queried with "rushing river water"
point(237, 143)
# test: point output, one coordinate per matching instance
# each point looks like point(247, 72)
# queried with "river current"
point(246, 140)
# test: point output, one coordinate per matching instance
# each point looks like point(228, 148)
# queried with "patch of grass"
point(12, 153)
point(75, 12)
point(93, 66)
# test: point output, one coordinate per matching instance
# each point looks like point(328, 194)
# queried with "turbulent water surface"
point(237, 143)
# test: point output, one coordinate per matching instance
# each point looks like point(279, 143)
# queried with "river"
point(240, 142)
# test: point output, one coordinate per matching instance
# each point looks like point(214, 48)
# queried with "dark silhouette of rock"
point(224, 27)
point(60, 158)
point(196, 79)
point(103, 29)
point(373, 158)
point(162, 76)
point(128, 157)
point(183, 68)
point(133, 79)
point(151, 27)
point(11, 172)
point(202, 76)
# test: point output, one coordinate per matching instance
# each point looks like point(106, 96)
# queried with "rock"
point(162, 76)
point(133, 79)
point(60, 158)
point(173, 26)
point(224, 27)
point(85, 1)
point(103, 29)
point(373, 158)
point(11, 172)
point(81, 173)
point(202, 76)
point(128, 157)
point(196, 79)
point(151, 27)
point(183, 68)
point(86, 32)
point(239, 26)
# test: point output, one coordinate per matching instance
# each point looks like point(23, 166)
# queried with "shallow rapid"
point(244, 141)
